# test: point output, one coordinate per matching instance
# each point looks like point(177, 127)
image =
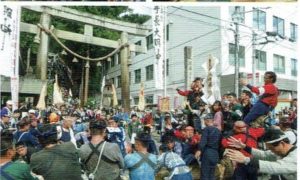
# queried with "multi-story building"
point(269, 32)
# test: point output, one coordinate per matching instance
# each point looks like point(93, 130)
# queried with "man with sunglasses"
point(280, 160)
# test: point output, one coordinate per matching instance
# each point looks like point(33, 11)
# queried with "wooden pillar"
point(86, 82)
point(88, 32)
point(125, 89)
point(42, 56)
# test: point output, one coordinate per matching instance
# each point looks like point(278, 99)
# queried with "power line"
point(210, 32)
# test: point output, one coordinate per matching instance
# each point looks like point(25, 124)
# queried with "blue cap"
point(4, 112)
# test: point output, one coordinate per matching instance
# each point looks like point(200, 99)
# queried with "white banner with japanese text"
point(9, 47)
point(159, 45)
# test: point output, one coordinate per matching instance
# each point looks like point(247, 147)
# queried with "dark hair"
point(97, 127)
point(231, 94)
point(144, 138)
point(48, 134)
point(248, 93)
point(218, 103)
point(198, 79)
point(272, 75)
point(133, 115)
point(167, 139)
point(17, 111)
point(23, 122)
point(6, 143)
point(273, 134)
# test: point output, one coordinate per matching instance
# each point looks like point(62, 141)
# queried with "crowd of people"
point(234, 138)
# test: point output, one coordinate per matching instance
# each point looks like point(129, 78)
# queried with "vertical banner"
point(158, 102)
point(165, 104)
point(159, 45)
point(212, 83)
point(9, 47)
point(176, 102)
point(141, 104)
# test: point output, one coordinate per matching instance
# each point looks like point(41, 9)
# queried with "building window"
point(259, 19)
point(149, 72)
point(149, 99)
point(113, 60)
point(137, 76)
point(168, 32)
point(149, 40)
point(294, 67)
point(139, 43)
point(232, 11)
point(278, 25)
point(136, 100)
point(232, 55)
point(294, 34)
point(261, 60)
point(129, 77)
point(279, 64)
point(168, 67)
point(119, 58)
point(107, 65)
point(118, 81)
point(112, 81)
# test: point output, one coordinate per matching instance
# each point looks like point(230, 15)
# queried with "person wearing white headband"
point(280, 160)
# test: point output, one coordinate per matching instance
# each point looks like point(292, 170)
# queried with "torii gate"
point(89, 21)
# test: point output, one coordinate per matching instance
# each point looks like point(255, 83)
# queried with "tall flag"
point(9, 47)
point(158, 23)
point(141, 104)
point(102, 90)
point(114, 96)
point(41, 105)
point(57, 95)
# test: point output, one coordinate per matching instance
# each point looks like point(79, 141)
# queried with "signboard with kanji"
point(159, 45)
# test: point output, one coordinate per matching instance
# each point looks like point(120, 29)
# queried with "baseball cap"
point(4, 113)
point(10, 102)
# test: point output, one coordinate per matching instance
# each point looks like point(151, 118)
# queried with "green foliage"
point(136, 18)
point(50, 88)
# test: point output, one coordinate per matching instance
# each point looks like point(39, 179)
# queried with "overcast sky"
point(141, 9)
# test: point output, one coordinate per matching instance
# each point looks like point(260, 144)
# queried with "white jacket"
point(271, 164)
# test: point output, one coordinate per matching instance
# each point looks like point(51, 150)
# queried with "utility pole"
point(254, 35)
point(236, 20)
point(236, 59)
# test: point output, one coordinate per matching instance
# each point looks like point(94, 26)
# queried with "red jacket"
point(269, 93)
point(184, 93)
point(253, 135)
